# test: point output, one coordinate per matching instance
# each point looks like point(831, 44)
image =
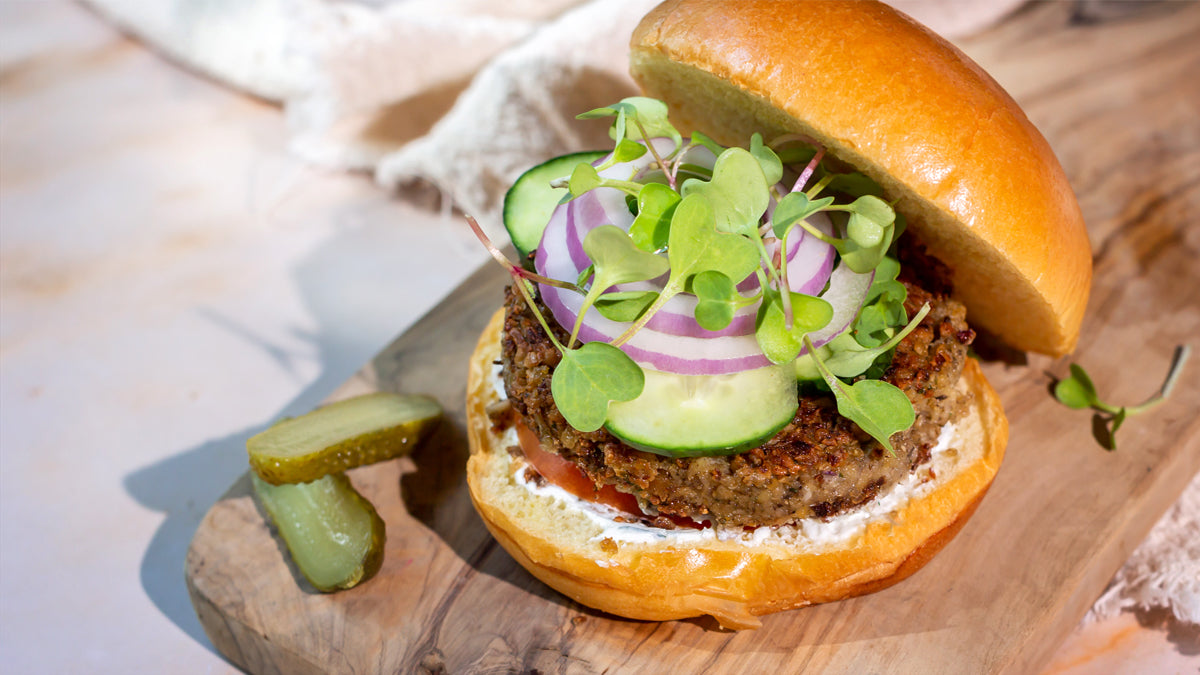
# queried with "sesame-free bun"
point(977, 182)
point(742, 576)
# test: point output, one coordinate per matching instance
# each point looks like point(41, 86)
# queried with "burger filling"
point(819, 465)
point(731, 336)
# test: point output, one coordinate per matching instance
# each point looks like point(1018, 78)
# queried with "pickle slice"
point(341, 436)
point(334, 534)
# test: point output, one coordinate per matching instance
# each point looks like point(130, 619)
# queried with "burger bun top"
point(978, 183)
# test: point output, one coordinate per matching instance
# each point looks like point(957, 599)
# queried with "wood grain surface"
point(1117, 93)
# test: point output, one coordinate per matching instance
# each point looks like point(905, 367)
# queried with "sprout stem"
point(515, 270)
point(665, 295)
point(658, 158)
point(1182, 352)
point(808, 170)
point(784, 287)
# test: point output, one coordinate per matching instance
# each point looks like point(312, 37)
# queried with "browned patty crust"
point(820, 464)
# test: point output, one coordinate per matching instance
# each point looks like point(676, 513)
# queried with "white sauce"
point(818, 533)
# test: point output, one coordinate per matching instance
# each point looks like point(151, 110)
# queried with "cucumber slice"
point(706, 415)
point(531, 201)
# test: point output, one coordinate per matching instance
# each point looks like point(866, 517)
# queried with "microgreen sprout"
point(616, 260)
point(850, 358)
point(650, 121)
point(656, 204)
point(877, 407)
point(807, 173)
point(883, 308)
point(870, 230)
point(516, 271)
point(738, 192)
point(696, 246)
point(1077, 391)
point(780, 341)
point(587, 379)
point(585, 177)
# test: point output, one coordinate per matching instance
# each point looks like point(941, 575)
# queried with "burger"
point(732, 375)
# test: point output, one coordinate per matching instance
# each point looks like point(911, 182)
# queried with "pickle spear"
point(334, 535)
point(343, 435)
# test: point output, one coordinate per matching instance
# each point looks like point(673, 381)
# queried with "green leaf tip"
point(589, 378)
point(1077, 391)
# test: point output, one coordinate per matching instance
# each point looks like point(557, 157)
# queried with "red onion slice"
point(706, 356)
point(811, 262)
point(846, 293)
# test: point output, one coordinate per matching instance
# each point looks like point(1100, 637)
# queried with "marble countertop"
point(171, 280)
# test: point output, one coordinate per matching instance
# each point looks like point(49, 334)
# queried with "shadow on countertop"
point(184, 487)
point(344, 285)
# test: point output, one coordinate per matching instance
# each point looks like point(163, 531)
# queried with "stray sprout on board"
point(1077, 391)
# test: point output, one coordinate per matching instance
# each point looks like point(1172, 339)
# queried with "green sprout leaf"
point(584, 178)
point(850, 359)
point(855, 184)
point(625, 306)
point(635, 115)
point(770, 329)
point(888, 270)
point(627, 151)
point(870, 216)
point(738, 192)
point(1117, 421)
point(796, 155)
point(695, 171)
point(883, 308)
point(701, 139)
point(794, 207)
point(616, 260)
point(1078, 392)
point(586, 274)
point(877, 407)
point(869, 233)
point(772, 168)
point(589, 378)
point(656, 204)
point(864, 232)
point(717, 298)
point(696, 246)
point(899, 226)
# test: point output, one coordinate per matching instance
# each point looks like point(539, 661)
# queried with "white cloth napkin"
point(466, 94)
point(1164, 571)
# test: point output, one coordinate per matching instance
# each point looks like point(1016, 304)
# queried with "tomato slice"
point(571, 478)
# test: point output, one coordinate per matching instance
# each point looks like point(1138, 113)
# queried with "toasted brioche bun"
point(979, 184)
point(737, 579)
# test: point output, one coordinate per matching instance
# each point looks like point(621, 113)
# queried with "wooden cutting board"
point(1118, 96)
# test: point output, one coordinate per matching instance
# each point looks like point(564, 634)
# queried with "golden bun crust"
point(733, 581)
point(979, 184)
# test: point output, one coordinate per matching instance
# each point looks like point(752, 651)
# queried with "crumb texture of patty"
point(819, 465)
